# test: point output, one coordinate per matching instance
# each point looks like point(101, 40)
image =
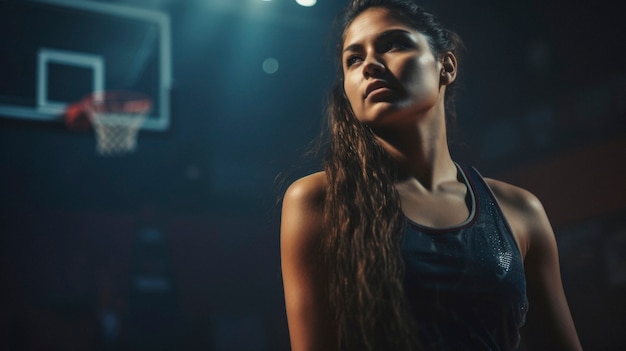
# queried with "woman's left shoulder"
point(518, 198)
point(524, 212)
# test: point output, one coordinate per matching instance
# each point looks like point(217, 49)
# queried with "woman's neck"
point(421, 152)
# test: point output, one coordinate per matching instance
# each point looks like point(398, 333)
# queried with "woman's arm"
point(549, 324)
point(304, 278)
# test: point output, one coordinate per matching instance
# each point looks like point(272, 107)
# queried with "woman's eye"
point(395, 41)
point(395, 44)
point(352, 60)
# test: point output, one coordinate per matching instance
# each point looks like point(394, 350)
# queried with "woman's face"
point(389, 69)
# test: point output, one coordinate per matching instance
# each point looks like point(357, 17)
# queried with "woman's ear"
point(448, 68)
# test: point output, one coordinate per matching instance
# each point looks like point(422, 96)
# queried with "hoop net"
point(116, 117)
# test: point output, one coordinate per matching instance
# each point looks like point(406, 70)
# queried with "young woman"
point(394, 246)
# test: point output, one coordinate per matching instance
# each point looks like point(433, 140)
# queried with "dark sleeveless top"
point(466, 284)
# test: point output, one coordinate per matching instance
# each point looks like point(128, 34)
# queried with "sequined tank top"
point(466, 284)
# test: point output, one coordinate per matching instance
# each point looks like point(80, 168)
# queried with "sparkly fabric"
point(466, 284)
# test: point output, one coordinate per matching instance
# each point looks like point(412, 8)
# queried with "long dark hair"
point(363, 217)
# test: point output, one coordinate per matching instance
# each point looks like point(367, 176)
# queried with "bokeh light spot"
point(270, 65)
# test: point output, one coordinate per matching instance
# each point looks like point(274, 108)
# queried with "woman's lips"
point(376, 87)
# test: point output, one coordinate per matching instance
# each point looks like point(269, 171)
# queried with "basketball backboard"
point(55, 52)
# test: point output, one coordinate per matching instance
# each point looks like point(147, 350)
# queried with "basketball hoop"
point(116, 117)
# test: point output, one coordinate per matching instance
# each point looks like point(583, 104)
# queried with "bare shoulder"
point(524, 212)
point(302, 212)
point(515, 197)
point(306, 191)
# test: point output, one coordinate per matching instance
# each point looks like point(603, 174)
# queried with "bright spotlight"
point(306, 3)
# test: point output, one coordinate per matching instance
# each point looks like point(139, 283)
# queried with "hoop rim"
point(124, 101)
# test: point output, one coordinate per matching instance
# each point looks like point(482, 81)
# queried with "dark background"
point(195, 208)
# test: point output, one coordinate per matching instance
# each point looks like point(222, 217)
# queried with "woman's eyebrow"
point(383, 35)
point(392, 32)
point(353, 47)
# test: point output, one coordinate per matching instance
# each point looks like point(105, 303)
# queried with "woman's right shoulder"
point(303, 210)
point(308, 191)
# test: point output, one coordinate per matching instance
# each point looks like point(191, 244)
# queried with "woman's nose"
point(373, 66)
